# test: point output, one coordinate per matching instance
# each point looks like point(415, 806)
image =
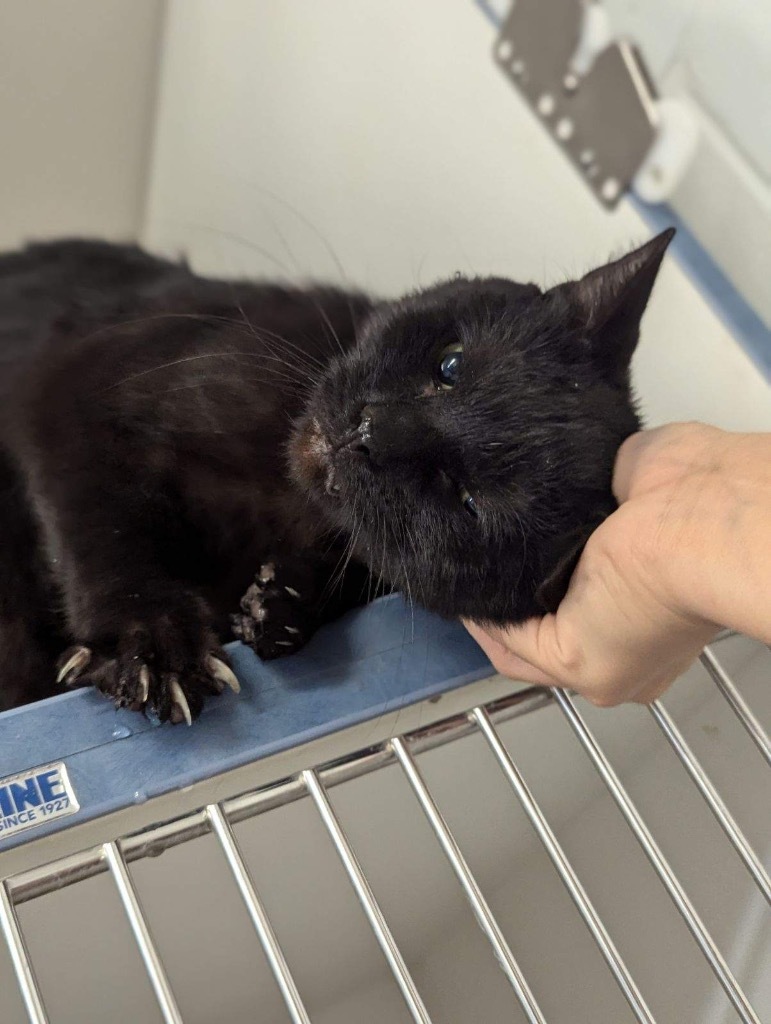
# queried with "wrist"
point(715, 562)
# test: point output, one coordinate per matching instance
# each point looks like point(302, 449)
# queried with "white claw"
point(144, 685)
point(267, 573)
point(223, 672)
point(77, 660)
point(178, 699)
point(292, 591)
point(291, 629)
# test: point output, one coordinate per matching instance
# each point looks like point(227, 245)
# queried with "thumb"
point(514, 650)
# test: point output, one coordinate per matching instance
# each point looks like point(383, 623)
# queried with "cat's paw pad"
point(137, 678)
point(270, 637)
point(274, 619)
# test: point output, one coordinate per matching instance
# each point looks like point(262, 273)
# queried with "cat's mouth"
point(319, 463)
point(351, 442)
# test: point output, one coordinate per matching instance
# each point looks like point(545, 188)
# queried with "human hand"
point(633, 618)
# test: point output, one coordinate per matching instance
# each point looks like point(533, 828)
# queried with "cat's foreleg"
point(28, 620)
point(138, 635)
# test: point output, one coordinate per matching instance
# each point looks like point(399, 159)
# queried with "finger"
point(504, 660)
point(536, 642)
point(650, 694)
point(627, 459)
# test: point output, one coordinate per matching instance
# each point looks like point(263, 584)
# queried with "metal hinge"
point(593, 93)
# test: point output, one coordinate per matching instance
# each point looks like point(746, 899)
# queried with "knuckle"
point(563, 656)
point(662, 456)
point(687, 446)
point(499, 664)
point(605, 691)
point(691, 432)
point(602, 699)
point(571, 663)
point(500, 658)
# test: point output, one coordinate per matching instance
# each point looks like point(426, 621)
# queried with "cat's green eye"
point(468, 502)
point(448, 369)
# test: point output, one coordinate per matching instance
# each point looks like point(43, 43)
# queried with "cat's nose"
point(392, 431)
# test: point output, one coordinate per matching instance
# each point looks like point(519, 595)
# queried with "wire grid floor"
point(313, 783)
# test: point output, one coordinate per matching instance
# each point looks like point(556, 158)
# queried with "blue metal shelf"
point(377, 659)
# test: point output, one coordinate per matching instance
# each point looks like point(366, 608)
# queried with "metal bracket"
point(594, 96)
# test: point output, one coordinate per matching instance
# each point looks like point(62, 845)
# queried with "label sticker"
point(34, 797)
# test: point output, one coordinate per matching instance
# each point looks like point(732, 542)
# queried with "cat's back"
point(59, 289)
point(54, 295)
point(55, 291)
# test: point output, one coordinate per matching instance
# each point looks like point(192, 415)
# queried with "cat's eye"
point(449, 366)
point(468, 502)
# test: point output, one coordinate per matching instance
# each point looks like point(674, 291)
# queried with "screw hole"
point(564, 129)
point(546, 105)
point(505, 50)
point(610, 189)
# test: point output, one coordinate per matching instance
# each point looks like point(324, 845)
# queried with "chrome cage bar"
point(738, 705)
point(218, 819)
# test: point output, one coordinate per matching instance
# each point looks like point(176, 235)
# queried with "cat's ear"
point(561, 559)
point(607, 304)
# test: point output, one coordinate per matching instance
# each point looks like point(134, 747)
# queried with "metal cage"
point(222, 810)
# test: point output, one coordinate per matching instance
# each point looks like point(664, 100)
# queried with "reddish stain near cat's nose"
point(311, 450)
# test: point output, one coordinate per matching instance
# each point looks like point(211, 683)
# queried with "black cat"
point(162, 435)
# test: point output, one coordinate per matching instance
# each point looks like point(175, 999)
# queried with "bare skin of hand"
point(687, 552)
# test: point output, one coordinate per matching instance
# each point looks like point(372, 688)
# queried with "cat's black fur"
point(163, 436)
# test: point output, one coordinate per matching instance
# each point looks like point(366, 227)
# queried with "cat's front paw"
point(153, 667)
point(276, 617)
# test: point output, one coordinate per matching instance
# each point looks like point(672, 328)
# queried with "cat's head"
point(466, 443)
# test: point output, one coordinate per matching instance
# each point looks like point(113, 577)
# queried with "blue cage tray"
point(379, 658)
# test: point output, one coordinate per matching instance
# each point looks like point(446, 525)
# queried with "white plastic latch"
point(672, 151)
